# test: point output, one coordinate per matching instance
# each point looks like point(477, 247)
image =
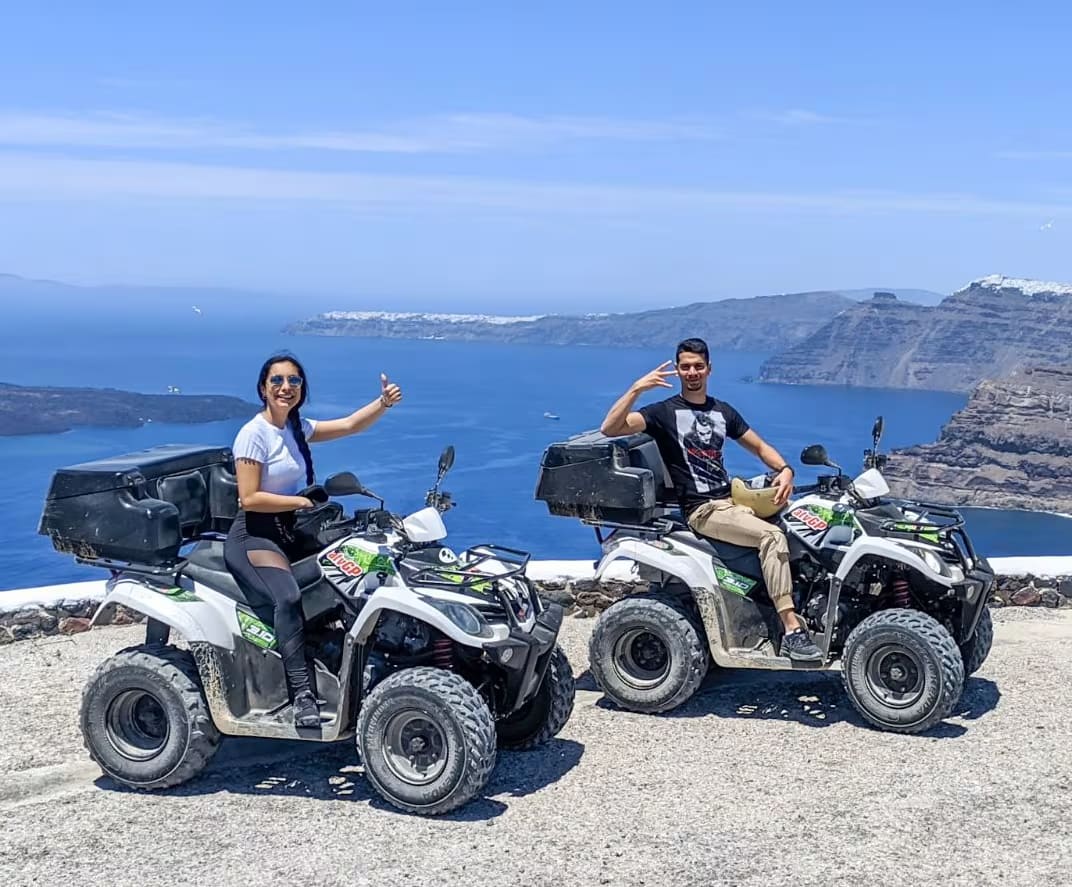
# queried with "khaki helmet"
point(761, 501)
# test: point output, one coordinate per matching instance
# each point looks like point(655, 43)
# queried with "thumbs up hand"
point(390, 393)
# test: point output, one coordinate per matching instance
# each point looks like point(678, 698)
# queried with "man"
point(690, 429)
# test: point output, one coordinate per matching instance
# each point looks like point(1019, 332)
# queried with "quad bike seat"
point(739, 558)
point(205, 564)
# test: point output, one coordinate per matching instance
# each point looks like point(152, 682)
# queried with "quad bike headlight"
point(931, 560)
point(463, 616)
point(935, 561)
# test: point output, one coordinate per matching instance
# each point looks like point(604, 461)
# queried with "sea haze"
point(488, 400)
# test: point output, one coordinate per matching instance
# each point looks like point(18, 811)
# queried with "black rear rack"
point(171, 568)
point(116, 567)
point(658, 527)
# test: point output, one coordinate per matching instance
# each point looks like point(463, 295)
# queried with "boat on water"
point(550, 416)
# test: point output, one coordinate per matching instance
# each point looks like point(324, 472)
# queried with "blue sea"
point(488, 400)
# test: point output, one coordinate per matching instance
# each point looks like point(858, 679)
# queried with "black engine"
point(402, 635)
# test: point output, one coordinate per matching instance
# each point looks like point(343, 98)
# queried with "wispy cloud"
point(448, 133)
point(147, 83)
point(799, 117)
point(52, 177)
point(1035, 155)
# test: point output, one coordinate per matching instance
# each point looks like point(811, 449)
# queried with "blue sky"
point(564, 156)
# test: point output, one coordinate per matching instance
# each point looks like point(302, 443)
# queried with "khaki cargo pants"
point(721, 519)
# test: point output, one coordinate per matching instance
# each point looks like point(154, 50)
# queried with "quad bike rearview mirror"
point(814, 455)
point(872, 457)
point(435, 499)
point(446, 461)
point(345, 483)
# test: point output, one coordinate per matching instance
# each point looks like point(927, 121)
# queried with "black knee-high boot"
point(290, 640)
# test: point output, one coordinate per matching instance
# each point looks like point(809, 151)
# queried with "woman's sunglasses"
point(292, 381)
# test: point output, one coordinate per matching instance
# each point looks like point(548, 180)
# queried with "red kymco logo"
point(806, 517)
point(340, 560)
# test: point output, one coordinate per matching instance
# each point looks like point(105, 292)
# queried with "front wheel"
point(145, 720)
point(647, 654)
point(902, 670)
point(540, 719)
point(427, 740)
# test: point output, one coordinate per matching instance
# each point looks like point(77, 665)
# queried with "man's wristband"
point(383, 400)
point(783, 468)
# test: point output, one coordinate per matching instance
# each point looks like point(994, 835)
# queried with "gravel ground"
point(760, 779)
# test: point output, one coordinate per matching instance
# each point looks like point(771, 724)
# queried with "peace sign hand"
point(390, 393)
point(657, 378)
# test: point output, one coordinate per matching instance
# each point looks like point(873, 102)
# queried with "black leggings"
point(258, 552)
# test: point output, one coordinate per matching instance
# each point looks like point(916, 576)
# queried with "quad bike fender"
point(889, 551)
point(195, 618)
point(672, 562)
point(691, 570)
point(410, 603)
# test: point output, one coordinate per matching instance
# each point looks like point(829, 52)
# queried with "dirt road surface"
point(760, 779)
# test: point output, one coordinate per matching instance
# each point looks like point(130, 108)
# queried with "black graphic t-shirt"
point(690, 439)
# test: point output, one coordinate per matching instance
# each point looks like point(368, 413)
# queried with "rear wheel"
point(976, 648)
point(647, 654)
point(427, 740)
point(145, 720)
point(902, 670)
point(539, 719)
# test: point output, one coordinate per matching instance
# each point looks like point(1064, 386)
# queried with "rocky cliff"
point(25, 410)
point(756, 324)
point(990, 328)
point(1010, 447)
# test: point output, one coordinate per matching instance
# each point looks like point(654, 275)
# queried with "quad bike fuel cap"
point(761, 500)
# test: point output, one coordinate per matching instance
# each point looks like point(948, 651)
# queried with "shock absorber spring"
point(442, 653)
point(899, 589)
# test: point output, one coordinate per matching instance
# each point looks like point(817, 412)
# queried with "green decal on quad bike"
point(354, 561)
point(832, 518)
point(255, 631)
point(461, 576)
point(929, 535)
point(734, 582)
point(179, 595)
point(369, 562)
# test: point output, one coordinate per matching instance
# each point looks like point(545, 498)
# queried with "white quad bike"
point(890, 589)
point(431, 659)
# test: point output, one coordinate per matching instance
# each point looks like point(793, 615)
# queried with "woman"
point(273, 463)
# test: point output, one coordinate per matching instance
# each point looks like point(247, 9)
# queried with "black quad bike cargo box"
point(141, 507)
point(599, 478)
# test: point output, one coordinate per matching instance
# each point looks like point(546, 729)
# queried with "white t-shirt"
point(282, 464)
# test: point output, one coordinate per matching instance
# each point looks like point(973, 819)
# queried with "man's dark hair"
point(693, 346)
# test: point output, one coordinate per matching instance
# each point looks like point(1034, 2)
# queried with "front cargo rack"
point(461, 576)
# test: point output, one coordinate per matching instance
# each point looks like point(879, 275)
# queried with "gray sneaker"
point(798, 645)
point(306, 711)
